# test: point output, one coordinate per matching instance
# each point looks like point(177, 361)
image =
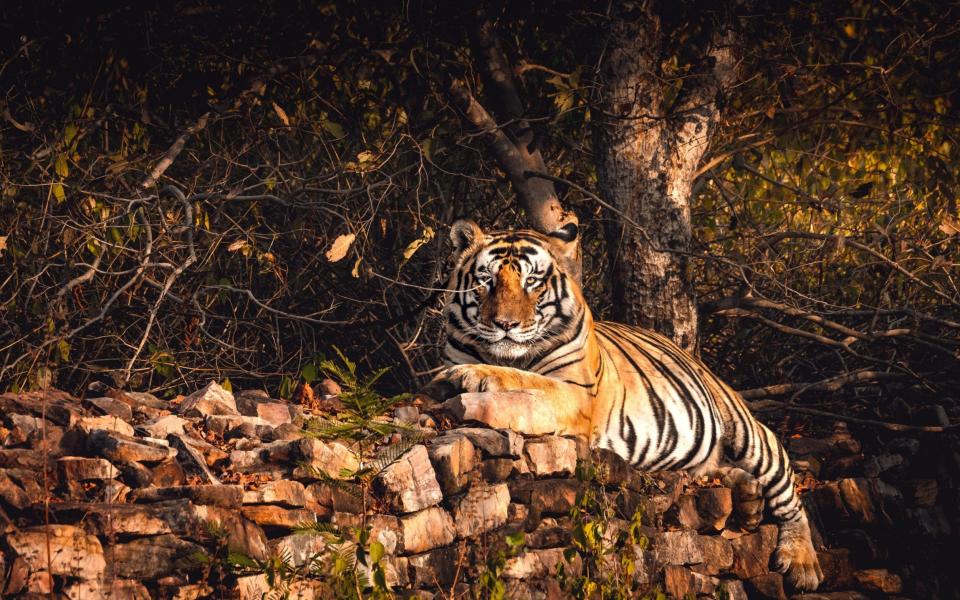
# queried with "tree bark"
point(647, 154)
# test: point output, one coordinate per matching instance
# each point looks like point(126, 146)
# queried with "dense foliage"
point(320, 162)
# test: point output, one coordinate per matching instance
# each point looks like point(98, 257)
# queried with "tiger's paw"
point(797, 560)
point(465, 378)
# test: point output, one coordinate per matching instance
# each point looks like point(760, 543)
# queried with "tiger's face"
point(515, 294)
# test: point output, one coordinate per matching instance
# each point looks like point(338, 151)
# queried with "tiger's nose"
point(506, 324)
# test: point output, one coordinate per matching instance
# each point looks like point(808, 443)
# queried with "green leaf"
point(376, 552)
point(333, 128)
point(227, 384)
point(309, 373)
point(58, 192)
point(61, 167)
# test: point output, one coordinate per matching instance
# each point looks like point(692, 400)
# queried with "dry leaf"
point(3, 243)
point(415, 245)
point(340, 247)
point(281, 113)
point(950, 225)
point(236, 245)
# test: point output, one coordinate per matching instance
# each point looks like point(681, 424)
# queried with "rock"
point(768, 585)
point(286, 432)
point(168, 473)
point(333, 458)
point(612, 469)
point(301, 548)
point(209, 400)
point(922, 492)
point(717, 555)
point(481, 509)
point(161, 427)
point(843, 443)
point(495, 470)
point(525, 412)
point(684, 512)
point(153, 557)
point(141, 399)
point(427, 529)
point(907, 447)
point(269, 515)
point(533, 563)
point(127, 589)
point(548, 535)
point(409, 484)
point(676, 548)
point(118, 447)
point(551, 456)
point(929, 522)
point(274, 413)
point(847, 595)
point(878, 580)
point(494, 444)
point(453, 458)
point(681, 582)
point(329, 387)
point(876, 465)
point(800, 446)
point(858, 499)
point(751, 552)
point(733, 589)
point(75, 468)
point(714, 506)
point(226, 496)
point(72, 552)
point(837, 568)
point(283, 492)
point(110, 406)
point(197, 456)
point(248, 400)
point(23, 429)
point(59, 407)
point(549, 496)
point(435, 568)
point(224, 424)
point(807, 464)
point(407, 414)
point(106, 423)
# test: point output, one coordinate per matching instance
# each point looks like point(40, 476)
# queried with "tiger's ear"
point(465, 234)
point(566, 244)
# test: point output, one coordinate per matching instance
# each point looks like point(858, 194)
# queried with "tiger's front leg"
point(541, 405)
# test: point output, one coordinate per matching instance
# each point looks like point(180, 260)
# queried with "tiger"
point(515, 318)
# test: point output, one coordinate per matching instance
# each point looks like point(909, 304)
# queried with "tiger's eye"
point(531, 280)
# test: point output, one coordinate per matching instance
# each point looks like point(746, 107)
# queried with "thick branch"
point(831, 384)
point(538, 195)
point(513, 141)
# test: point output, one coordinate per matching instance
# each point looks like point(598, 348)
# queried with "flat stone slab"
point(524, 411)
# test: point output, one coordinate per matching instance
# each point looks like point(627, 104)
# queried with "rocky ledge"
point(129, 496)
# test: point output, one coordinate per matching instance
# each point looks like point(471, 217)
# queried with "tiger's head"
point(515, 294)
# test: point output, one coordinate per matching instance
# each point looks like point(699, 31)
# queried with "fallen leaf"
point(416, 244)
point(236, 245)
point(281, 113)
point(3, 243)
point(950, 225)
point(340, 247)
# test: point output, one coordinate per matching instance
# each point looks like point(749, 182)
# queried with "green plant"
point(605, 558)
point(489, 583)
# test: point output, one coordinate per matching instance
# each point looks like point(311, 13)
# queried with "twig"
point(830, 384)
point(777, 405)
point(174, 151)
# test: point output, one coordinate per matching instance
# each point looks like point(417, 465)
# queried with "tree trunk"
point(647, 155)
